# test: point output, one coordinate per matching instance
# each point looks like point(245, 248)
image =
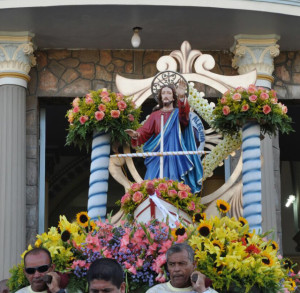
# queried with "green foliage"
point(238, 106)
point(17, 279)
point(101, 111)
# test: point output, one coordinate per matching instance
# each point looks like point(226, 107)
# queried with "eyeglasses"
point(40, 269)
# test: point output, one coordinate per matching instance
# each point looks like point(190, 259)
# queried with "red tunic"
point(152, 124)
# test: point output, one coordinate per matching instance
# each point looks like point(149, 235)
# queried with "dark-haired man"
point(181, 267)
point(37, 264)
point(106, 275)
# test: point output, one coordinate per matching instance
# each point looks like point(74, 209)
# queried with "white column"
point(258, 52)
point(16, 60)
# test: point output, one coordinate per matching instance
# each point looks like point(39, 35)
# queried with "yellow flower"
point(83, 219)
point(178, 232)
point(198, 217)
point(66, 235)
point(274, 245)
point(243, 221)
point(204, 229)
point(218, 243)
point(38, 243)
point(267, 259)
point(223, 206)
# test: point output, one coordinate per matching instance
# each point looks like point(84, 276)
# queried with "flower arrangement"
point(102, 111)
point(232, 257)
point(174, 192)
point(238, 106)
point(223, 149)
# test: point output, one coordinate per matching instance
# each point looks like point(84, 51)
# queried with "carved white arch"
point(140, 89)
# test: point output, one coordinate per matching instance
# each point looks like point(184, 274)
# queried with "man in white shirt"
point(181, 267)
point(38, 264)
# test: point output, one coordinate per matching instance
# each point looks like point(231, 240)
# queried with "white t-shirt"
point(167, 287)
point(29, 290)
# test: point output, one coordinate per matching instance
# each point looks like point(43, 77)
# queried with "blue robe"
point(187, 168)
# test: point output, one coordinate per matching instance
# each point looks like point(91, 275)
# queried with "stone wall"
point(287, 75)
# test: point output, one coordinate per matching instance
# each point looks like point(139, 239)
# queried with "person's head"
point(167, 95)
point(181, 264)
point(4, 286)
point(106, 275)
point(37, 263)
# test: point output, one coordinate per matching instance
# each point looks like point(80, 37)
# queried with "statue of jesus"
point(178, 136)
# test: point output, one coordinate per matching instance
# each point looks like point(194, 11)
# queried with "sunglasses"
point(40, 269)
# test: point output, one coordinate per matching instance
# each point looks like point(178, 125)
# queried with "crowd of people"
point(106, 275)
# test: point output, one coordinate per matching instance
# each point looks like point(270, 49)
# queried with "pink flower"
point(137, 197)
point(107, 253)
point(240, 89)
point(79, 263)
point(101, 107)
point(245, 108)
point(70, 117)
point(130, 117)
point(172, 193)
point(139, 263)
point(83, 119)
point(119, 97)
point(125, 198)
point(253, 98)
point(284, 109)
point(124, 241)
point(132, 270)
point(152, 248)
point(162, 187)
point(226, 110)
point(237, 97)
point(150, 188)
point(135, 186)
point(160, 278)
point(158, 263)
point(104, 93)
point(99, 115)
point(252, 89)
point(92, 242)
point(264, 96)
point(75, 102)
point(122, 105)
point(274, 100)
point(105, 99)
point(273, 93)
point(88, 99)
point(115, 113)
point(223, 100)
point(191, 206)
point(182, 194)
point(165, 246)
point(266, 109)
point(182, 186)
point(76, 109)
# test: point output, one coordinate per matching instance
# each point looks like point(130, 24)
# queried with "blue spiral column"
point(99, 176)
point(252, 175)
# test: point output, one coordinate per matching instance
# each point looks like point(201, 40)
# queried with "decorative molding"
point(256, 53)
point(16, 56)
point(187, 60)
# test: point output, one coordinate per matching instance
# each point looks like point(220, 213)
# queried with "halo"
point(165, 78)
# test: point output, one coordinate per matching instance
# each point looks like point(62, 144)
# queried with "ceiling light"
point(290, 200)
point(136, 39)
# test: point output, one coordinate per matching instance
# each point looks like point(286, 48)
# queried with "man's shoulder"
point(158, 288)
point(23, 290)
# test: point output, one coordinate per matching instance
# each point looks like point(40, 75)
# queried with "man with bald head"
point(38, 264)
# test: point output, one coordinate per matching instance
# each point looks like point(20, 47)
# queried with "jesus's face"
point(167, 96)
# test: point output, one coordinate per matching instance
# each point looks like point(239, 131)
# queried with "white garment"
point(167, 287)
point(28, 290)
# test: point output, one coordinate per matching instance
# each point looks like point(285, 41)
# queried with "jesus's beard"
point(167, 104)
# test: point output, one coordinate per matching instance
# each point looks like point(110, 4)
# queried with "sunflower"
point(178, 232)
point(267, 259)
point(204, 229)
point(243, 221)
point(218, 243)
point(223, 206)
point(274, 245)
point(82, 219)
point(65, 235)
point(92, 225)
point(198, 217)
point(287, 264)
